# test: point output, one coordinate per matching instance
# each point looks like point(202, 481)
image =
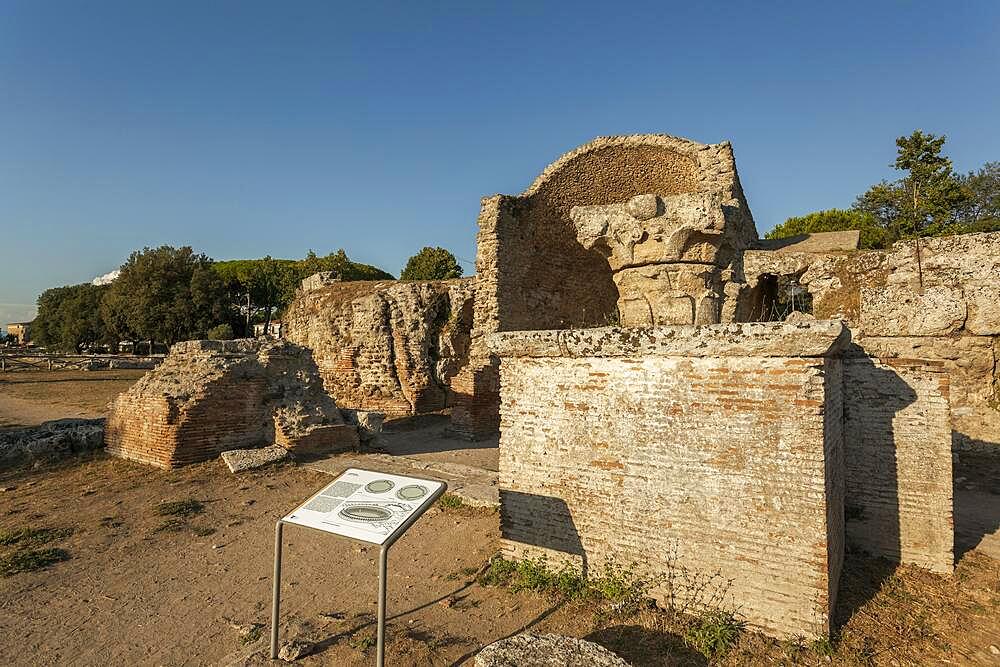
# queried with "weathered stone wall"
point(388, 346)
point(718, 445)
point(938, 299)
point(899, 465)
point(532, 271)
point(211, 396)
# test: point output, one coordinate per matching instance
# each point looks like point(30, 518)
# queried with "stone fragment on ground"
point(294, 650)
point(528, 650)
point(240, 460)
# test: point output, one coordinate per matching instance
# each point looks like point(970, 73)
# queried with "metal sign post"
point(363, 505)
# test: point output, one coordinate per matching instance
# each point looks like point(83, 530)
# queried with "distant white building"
point(273, 329)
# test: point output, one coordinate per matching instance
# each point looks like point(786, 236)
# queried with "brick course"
point(735, 461)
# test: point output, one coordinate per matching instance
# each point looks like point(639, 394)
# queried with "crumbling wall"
point(211, 396)
point(532, 271)
point(897, 446)
point(388, 346)
point(936, 299)
point(715, 448)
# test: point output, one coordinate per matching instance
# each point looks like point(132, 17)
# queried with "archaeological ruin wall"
point(898, 454)
point(208, 397)
point(717, 449)
point(543, 256)
point(934, 299)
point(388, 346)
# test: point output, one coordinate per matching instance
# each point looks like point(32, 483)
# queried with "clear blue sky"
point(247, 128)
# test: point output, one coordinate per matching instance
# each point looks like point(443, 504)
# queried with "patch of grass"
point(202, 531)
point(450, 501)
point(180, 508)
point(363, 644)
point(24, 537)
point(255, 632)
point(823, 647)
point(30, 560)
point(714, 633)
point(172, 524)
point(619, 587)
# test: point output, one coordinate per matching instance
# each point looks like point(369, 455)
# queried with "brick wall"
point(533, 274)
point(387, 346)
point(898, 446)
point(211, 396)
point(638, 445)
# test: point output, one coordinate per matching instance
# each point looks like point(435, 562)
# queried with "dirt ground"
point(139, 588)
point(28, 398)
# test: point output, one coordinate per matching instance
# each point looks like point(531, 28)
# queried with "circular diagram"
point(379, 486)
point(411, 492)
point(365, 513)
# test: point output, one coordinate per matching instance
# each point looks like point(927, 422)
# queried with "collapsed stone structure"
point(757, 450)
point(387, 346)
point(668, 213)
point(934, 299)
point(616, 440)
point(208, 397)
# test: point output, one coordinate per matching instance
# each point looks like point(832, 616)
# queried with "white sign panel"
point(365, 505)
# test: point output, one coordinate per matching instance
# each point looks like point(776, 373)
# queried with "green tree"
point(981, 212)
point(431, 264)
point(927, 201)
point(165, 294)
point(221, 332)
point(873, 235)
point(69, 317)
point(261, 289)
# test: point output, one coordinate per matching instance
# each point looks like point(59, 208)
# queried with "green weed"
point(714, 633)
point(180, 508)
point(29, 560)
point(33, 536)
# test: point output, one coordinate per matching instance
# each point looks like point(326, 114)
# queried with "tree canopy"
point(929, 199)
point(873, 235)
point(270, 283)
point(431, 264)
point(69, 317)
point(166, 294)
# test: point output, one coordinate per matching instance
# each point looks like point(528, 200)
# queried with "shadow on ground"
point(976, 495)
point(642, 647)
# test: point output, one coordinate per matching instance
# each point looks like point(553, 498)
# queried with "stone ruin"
point(208, 397)
point(629, 440)
point(387, 346)
point(669, 389)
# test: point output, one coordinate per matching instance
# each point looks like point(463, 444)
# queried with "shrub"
point(221, 332)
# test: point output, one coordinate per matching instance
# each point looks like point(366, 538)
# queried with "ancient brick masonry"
point(388, 346)
point(720, 445)
point(533, 273)
point(211, 396)
point(897, 444)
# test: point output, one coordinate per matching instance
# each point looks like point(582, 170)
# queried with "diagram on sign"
point(365, 505)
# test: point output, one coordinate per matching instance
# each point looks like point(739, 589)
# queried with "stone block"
point(529, 650)
point(241, 460)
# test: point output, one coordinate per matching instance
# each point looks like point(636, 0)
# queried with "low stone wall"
point(388, 346)
point(211, 396)
point(717, 448)
point(51, 438)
